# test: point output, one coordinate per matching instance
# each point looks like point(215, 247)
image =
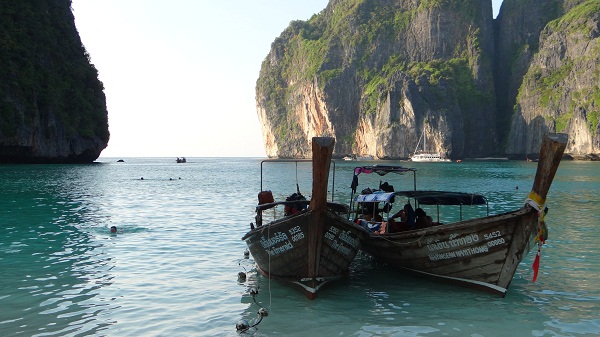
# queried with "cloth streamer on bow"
point(536, 202)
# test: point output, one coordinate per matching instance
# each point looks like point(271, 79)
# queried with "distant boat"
point(423, 155)
point(348, 158)
point(181, 160)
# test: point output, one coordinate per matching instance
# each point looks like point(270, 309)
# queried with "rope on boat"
point(405, 243)
point(269, 278)
point(537, 203)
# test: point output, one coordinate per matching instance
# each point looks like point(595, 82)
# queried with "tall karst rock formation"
point(560, 90)
point(376, 74)
point(52, 105)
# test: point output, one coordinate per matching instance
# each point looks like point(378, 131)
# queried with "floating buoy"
point(242, 325)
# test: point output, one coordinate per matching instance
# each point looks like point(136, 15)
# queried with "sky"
point(179, 76)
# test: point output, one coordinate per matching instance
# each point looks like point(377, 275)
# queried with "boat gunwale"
point(459, 225)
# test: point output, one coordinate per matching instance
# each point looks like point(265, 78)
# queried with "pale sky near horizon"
point(179, 76)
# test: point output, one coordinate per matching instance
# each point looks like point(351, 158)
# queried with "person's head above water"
point(113, 229)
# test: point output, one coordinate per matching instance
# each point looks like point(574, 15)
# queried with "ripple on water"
point(172, 267)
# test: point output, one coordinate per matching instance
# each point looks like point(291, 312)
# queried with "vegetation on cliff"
point(560, 91)
point(376, 73)
point(49, 90)
point(371, 44)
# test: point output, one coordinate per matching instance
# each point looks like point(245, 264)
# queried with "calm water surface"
point(171, 270)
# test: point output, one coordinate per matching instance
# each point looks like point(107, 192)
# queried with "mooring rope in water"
point(243, 325)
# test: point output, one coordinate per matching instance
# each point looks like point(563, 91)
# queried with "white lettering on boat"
point(496, 242)
point(345, 238)
point(492, 235)
point(281, 249)
point(341, 248)
point(458, 253)
point(296, 233)
point(272, 241)
point(453, 242)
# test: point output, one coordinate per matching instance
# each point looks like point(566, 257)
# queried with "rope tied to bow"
point(536, 202)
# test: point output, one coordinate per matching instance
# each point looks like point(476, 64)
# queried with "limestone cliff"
point(561, 89)
point(52, 105)
point(375, 74)
point(517, 29)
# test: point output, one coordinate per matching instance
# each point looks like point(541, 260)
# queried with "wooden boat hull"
point(298, 251)
point(481, 253)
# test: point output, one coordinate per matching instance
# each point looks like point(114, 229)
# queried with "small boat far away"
point(424, 155)
point(481, 253)
point(313, 242)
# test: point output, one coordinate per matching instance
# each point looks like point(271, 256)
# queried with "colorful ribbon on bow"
point(537, 202)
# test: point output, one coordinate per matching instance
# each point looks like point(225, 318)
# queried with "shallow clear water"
point(172, 267)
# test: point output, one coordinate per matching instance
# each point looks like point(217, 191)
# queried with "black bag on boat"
point(295, 207)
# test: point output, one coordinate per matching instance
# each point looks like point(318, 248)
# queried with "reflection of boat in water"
point(181, 160)
point(481, 253)
point(314, 242)
point(424, 155)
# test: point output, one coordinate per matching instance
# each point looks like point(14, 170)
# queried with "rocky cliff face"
point(52, 105)
point(561, 89)
point(376, 74)
point(518, 28)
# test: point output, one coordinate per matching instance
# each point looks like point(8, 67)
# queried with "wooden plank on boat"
point(551, 152)
point(322, 149)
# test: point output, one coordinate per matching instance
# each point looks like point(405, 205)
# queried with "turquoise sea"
point(172, 268)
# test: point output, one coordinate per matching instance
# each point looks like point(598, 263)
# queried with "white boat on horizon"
point(424, 156)
point(428, 157)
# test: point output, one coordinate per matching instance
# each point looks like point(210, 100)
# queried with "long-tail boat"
point(481, 253)
point(307, 246)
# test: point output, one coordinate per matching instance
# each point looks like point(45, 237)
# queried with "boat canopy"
point(444, 198)
point(427, 197)
point(375, 197)
point(381, 170)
